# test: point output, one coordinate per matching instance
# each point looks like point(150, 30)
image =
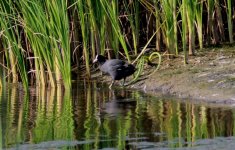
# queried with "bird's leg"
point(111, 84)
point(123, 83)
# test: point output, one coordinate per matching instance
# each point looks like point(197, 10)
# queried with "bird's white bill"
point(95, 60)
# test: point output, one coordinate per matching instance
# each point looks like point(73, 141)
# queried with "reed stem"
point(230, 24)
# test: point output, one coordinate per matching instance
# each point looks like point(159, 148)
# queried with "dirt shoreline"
point(208, 78)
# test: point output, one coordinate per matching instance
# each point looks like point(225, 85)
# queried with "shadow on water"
point(92, 116)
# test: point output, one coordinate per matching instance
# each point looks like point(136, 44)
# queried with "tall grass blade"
point(168, 13)
point(59, 33)
point(158, 24)
point(219, 18)
point(1, 64)
point(210, 6)
point(184, 29)
point(111, 13)
point(190, 20)
point(230, 24)
point(36, 29)
point(199, 9)
point(174, 5)
point(133, 11)
point(84, 23)
point(11, 40)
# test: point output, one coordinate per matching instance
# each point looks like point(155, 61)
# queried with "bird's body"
point(116, 68)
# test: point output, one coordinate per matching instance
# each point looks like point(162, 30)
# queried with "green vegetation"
point(41, 41)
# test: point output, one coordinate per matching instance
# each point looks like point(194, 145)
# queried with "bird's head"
point(99, 59)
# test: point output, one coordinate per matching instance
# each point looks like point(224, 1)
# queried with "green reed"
point(210, 5)
point(229, 18)
point(1, 65)
point(59, 39)
point(14, 52)
point(184, 30)
point(49, 39)
point(36, 29)
point(84, 23)
point(102, 27)
point(157, 15)
point(199, 9)
point(191, 8)
point(168, 13)
point(133, 11)
point(175, 24)
point(93, 27)
point(1, 78)
point(36, 35)
point(111, 11)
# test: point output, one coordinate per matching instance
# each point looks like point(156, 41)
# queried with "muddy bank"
point(209, 77)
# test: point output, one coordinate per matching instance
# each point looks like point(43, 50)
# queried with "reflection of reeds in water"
point(39, 118)
point(51, 115)
point(61, 115)
point(190, 122)
point(89, 125)
point(203, 121)
point(12, 121)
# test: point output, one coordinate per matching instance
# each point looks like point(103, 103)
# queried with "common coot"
point(116, 68)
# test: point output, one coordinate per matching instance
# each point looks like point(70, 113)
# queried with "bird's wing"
point(115, 64)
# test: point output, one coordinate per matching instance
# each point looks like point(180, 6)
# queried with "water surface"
point(92, 116)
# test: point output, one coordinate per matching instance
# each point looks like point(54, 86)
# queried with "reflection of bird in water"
point(120, 102)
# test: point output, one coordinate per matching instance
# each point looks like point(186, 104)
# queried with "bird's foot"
point(110, 86)
point(122, 84)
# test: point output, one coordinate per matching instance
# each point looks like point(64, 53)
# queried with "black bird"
point(116, 68)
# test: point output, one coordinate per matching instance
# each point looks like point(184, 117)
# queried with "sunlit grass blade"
point(59, 34)
point(169, 26)
point(103, 28)
point(175, 24)
point(84, 23)
point(133, 11)
point(219, 18)
point(35, 25)
point(144, 48)
point(95, 19)
point(199, 9)
point(155, 55)
point(49, 39)
point(210, 5)
point(1, 65)
point(184, 29)
point(11, 41)
point(230, 18)
point(110, 10)
point(157, 15)
point(190, 21)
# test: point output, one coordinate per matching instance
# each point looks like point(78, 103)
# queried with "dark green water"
point(93, 117)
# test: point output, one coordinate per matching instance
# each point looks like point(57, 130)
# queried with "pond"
point(91, 116)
